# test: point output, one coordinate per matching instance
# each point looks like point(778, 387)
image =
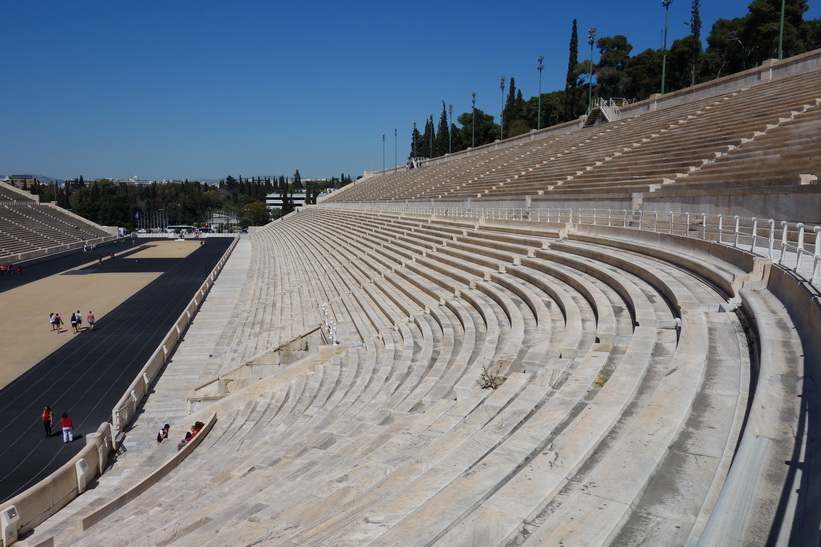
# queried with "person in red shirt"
point(48, 419)
point(68, 428)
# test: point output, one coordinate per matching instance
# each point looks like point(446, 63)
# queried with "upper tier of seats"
point(758, 136)
point(9, 193)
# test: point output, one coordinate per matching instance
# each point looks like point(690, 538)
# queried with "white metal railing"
point(785, 243)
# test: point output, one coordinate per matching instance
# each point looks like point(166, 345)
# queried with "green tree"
point(514, 117)
point(487, 130)
point(440, 141)
point(424, 147)
point(727, 51)
point(415, 143)
point(572, 77)
point(762, 24)
point(611, 80)
point(680, 63)
point(695, 33)
point(643, 74)
point(255, 214)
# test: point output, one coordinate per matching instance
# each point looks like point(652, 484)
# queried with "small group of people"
point(9, 269)
point(76, 321)
point(190, 434)
point(66, 424)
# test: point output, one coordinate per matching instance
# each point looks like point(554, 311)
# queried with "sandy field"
point(26, 337)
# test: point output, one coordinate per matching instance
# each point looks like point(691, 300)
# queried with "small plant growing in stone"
point(601, 379)
point(489, 378)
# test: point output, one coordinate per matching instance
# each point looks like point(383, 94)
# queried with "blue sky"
point(202, 89)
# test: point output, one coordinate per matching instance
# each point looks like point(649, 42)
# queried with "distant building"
point(22, 181)
point(274, 201)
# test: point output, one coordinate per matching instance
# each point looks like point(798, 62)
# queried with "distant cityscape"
point(18, 179)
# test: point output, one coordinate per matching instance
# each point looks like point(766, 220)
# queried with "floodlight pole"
point(502, 117)
point(666, 4)
point(450, 133)
point(383, 153)
point(539, 117)
point(395, 154)
point(591, 38)
point(473, 121)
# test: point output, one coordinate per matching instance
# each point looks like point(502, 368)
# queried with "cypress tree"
point(510, 106)
point(695, 31)
point(440, 143)
point(571, 79)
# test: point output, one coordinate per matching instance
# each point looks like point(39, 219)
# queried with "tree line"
point(113, 203)
point(733, 45)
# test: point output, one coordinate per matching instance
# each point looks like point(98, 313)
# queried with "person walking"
point(79, 320)
point(48, 420)
point(51, 320)
point(58, 321)
point(90, 319)
point(73, 320)
point(68, 428)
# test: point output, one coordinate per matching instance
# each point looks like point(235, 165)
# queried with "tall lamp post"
point(591, 38)
point(383, 153)
point(539, 117)
point(450, 133)
point(395, 155)
point(781, 34)
point(502, 117)
point(666, 4)
point(473, 121)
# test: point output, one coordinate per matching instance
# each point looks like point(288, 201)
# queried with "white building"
point(274, 201)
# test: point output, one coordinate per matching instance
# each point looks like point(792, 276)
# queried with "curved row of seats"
point(26, 227)
point(612, 359)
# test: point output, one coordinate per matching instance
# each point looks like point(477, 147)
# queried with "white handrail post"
point(720, 227)
point(594, 216)
point(704, 226)
point(800, 248)
point(655, 221)
point(783, 241)
point(754, 237)
point(771, 238)
point(687, 224)
point(737, 223)
point(816, 252)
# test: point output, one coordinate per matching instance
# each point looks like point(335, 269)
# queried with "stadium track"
point(87, 376)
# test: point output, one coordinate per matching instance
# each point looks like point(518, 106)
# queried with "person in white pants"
point(68, 428)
